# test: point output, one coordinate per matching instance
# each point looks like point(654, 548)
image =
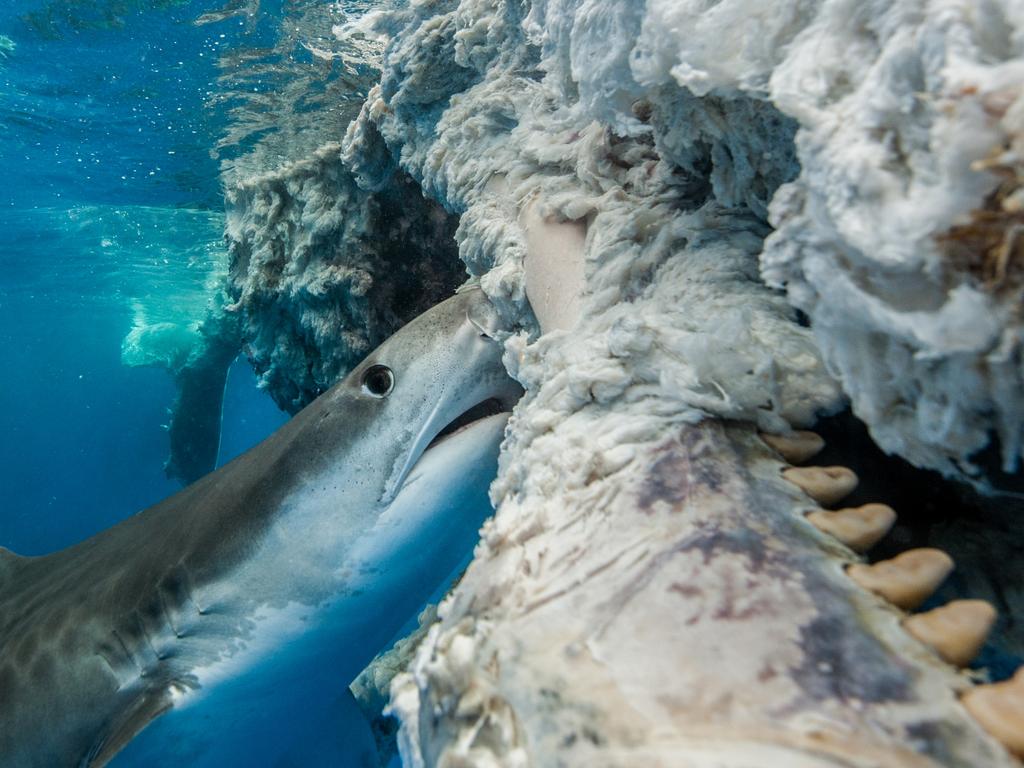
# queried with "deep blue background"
point(101, 115)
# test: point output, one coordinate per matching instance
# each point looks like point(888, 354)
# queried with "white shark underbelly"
point(280, 683)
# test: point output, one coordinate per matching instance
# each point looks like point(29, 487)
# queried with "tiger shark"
point(214, 627)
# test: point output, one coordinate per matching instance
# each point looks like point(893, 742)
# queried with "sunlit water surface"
point(120, 123)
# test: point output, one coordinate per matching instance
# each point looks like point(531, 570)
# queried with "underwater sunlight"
point(511, 383)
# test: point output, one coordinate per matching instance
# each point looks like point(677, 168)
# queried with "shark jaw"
point(298, 658)
point(430, 436)
point(268, 584)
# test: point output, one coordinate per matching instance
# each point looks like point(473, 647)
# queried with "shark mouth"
point(490, 407)
point(427, 439)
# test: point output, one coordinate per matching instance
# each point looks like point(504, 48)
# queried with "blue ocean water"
point(111, 216)
point(120, 123)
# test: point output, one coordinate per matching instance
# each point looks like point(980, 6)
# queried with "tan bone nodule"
point(908, 579)
point(859, 528)
point(826, 485)
point(999, 709)
point(796, 447)
point(955, 631)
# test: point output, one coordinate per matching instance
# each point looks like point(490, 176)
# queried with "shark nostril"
point(378, 380)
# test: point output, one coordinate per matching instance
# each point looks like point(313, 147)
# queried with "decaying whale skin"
point(663, 183)
point(240, 607)
point(775, 656)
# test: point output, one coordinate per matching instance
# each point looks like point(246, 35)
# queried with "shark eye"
point(378, 380)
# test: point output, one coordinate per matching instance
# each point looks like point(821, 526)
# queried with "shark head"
point(439, 374)
point(306, 553)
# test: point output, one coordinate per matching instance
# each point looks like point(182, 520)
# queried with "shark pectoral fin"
point(148, 706)
point(339, 737)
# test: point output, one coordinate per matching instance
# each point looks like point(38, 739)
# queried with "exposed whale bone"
point(553, 269)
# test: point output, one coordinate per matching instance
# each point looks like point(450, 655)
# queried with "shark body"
point(215, 624)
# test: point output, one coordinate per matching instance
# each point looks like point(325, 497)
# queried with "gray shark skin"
point(218, 619)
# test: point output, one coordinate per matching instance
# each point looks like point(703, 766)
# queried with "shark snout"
point(470, 382)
